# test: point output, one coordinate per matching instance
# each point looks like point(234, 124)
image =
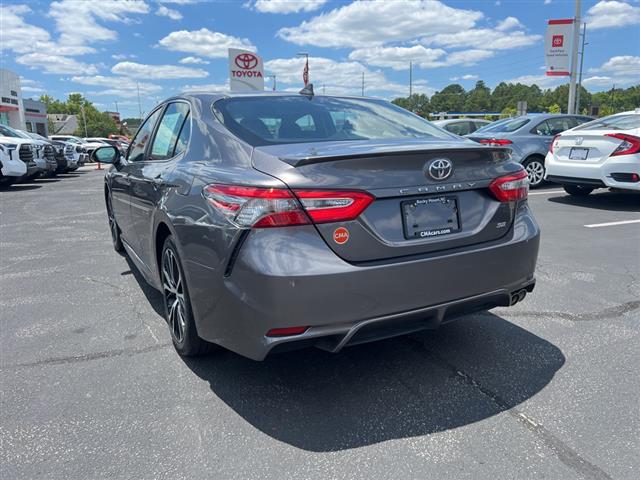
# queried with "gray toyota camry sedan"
point(278, 221)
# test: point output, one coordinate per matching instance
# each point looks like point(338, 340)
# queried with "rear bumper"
point(289, 277)
point(598, 175)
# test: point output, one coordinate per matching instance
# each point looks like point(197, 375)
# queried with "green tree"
point(555, 108)
point(478, 99)
point(417, 103)
point(449, 99)
point(98, 124)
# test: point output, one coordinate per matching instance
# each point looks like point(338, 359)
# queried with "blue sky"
point(105, 49)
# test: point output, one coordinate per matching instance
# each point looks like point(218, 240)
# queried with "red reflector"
point(630, 144)
point(511, 188)
point(498, 142)
point(285, 332)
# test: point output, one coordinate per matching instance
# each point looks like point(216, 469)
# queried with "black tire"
point(114, 228)
point(578, 190)
point(177, 305)
point(536, 170)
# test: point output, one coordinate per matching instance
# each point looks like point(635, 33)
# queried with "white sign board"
point(557, 47)
point(246, 72)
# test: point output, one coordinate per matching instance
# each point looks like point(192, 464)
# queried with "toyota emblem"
point(246, 61)
point(440, 169)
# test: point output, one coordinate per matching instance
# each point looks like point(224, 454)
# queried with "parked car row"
point(25, 156)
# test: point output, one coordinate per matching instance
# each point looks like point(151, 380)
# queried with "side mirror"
point(106, 154)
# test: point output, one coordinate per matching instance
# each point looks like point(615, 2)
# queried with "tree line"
point(505, 97)
point(99, 124)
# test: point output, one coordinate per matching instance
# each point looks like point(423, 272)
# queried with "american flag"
point(305, 73)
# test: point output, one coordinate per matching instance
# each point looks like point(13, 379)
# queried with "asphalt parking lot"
point(92, 388)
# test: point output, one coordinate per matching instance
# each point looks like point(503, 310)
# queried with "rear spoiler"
point(300, 161)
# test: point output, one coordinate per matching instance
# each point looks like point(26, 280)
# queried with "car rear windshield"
point(619, 122)
point(508, 125)
point(300, 119)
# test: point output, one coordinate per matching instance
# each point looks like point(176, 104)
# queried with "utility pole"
point(363, 84)
point(275, 85)
point(574, 59)
point(410, 78)
point(117, 107)
point(584, 35)
point(84, 120)
point(139, 104)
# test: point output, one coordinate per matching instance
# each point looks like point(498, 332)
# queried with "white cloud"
point(509, 23)
point(623, 64)
point(15, 30)
point(157, 72)
point(465, 77)
point(547, 2)
point(364, 24)
point(168, 12)
point(338, 78)
point(204, 42)
point(55, 63)
point(398, 58)
point(194, 61)
point(542, 81)
point(122, 56)
point(611, 14)
point(180, 2)
point(117, 86)
point(468, 57)
point(30, 86)
point(287, 6)
point(484, 38)
point(208, 87)
point(77, 22)
point(598, 81)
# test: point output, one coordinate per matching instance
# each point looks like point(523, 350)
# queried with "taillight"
point(630, 144)
point(552, 144)
point(496, 142)
point(511, 188)
point(256, 207)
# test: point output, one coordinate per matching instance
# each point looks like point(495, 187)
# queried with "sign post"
point(571, 107)
point(246, 71)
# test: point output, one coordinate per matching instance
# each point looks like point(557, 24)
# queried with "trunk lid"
point(585, 147)
point(413, 213)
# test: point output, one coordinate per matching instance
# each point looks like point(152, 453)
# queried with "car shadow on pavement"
point(16, 187)
point(605, 200)
point(465, 372)
point(153, 296)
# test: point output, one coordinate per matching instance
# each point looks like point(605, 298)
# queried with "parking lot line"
point(611, 224)
point(546, 192)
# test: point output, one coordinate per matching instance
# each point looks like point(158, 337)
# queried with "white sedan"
point(604, 153)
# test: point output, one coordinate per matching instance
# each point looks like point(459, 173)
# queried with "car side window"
point(183, 138)
point(543, 129)
point(166, 136)
point(140, 141)
point(559, 125)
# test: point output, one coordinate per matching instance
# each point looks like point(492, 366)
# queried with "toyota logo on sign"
point(246, 61)
point(440, 169)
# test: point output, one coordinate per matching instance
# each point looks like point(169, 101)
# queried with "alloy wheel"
point(535, 170)
point(172, 286)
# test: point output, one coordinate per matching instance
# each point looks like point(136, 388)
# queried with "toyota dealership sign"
point(557, 46)
point(246, 72)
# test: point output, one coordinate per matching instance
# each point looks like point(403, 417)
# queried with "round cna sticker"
point(340, 235)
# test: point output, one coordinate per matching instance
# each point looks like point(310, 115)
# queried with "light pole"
point(574, 59)
point(84, 120)
point(584, 35)
point(139, 104)
point(274, 78)
point(363, 84)
point(305, 72)
point(410, 78)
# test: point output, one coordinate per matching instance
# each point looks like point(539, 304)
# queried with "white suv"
point(11, 167)
point(604, 153)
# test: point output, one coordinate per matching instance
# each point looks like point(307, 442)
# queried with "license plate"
point(430, 217)
point(578, 153)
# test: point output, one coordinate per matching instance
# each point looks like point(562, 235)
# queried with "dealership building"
point(11, 106)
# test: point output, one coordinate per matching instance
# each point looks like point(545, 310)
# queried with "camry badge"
point(440, 169)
